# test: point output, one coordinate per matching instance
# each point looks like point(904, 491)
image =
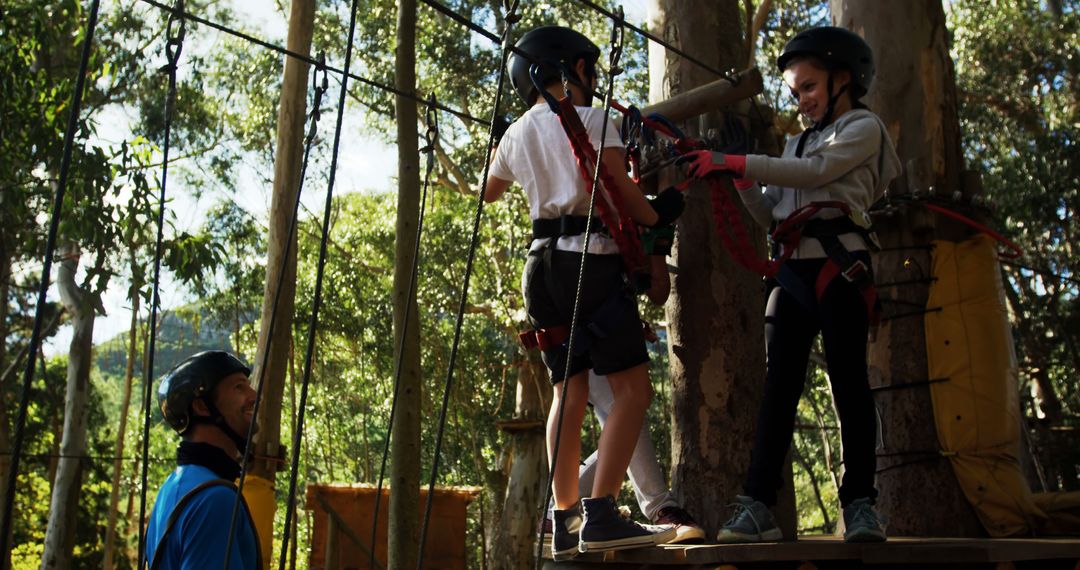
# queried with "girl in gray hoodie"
point(832, 172)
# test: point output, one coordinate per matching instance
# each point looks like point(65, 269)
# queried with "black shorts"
point(614, 340)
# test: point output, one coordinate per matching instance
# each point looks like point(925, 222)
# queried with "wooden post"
point(716, 335)
point(511, 542)
point(292, 114)
point(708, 98)
point(404, 505)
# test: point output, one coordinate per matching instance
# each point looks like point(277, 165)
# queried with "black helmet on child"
point(196, 377)
point(555, 48)
point(837, 48)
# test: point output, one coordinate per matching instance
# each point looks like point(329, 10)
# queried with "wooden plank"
point(902, 550)
point(333, 561)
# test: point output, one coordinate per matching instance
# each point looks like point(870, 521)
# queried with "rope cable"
point(431, 137)
point(456, 16)
point(311, 61)
point(620, 20)
point(174, 44)
point(320, 88)
point(43, 289)
point(617, 35)
point(298, 429)
point(510, 18)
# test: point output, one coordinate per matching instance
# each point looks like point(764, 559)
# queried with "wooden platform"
point(829, 551)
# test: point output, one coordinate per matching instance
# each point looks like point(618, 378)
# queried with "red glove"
point(704, 163)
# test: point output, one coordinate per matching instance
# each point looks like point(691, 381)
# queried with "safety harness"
point(840, 262)
point(612, 220)
point(785, 237)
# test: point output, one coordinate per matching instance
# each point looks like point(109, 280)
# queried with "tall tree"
point(81, 305)
point(915, 95)
point(281, 254)
point(716, 334)
point(404, 528)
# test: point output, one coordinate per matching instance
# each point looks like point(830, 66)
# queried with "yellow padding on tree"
point(259, 495)
point(977, 412)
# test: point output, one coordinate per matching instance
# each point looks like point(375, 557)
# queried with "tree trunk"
point(716, 332)
point(287, 162)
point(404, 527)
point(121, 431)
point(60, 534)
point(511, 543)
point(5, 433)
point(915, 95)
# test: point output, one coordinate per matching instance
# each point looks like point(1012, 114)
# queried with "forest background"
point(1018, 81)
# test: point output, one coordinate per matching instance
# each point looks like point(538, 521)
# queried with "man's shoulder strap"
point(179, 508)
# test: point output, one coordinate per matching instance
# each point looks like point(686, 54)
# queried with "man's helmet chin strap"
point(570, 75)
point(216, 419)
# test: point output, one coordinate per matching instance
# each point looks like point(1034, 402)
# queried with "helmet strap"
point(570, 76)
point(827, 118)
point(218, 420)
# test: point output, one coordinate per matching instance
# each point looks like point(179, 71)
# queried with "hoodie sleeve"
point(851, 146)
point(760, 203)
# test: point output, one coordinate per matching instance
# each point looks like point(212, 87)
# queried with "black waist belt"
point(565, 226)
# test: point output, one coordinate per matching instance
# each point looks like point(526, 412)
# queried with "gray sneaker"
point(751, 522)
point(604, 529)
point(862, 523)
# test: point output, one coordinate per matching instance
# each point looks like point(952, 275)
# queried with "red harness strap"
point(853, 274)
point(734, 236)
point(610, 207)
point(544, 339)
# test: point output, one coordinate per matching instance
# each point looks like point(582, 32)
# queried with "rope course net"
point(175, 35)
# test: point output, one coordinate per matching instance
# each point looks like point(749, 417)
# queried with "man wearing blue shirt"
point(208, 400)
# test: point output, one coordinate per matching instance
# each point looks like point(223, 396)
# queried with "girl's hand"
point(704, 163)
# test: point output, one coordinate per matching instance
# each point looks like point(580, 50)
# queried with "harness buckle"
point(861, 219)
point(855, 272)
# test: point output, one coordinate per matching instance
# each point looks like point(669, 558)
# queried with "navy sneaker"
point(687, 530)
point(603, 529)
point(564, 537)
point(862, 523)
point(751, 522)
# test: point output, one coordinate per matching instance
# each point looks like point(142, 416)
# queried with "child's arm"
point(495, 188)
point(854, 145)
point(660, 283)
point(633, 200)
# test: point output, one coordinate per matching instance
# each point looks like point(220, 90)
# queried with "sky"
point(364, 163)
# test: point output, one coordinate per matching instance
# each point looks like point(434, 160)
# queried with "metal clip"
point(855, 271)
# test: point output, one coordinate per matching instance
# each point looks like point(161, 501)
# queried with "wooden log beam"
point(709, 97)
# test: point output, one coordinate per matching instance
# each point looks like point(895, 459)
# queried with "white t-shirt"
point(536, 154)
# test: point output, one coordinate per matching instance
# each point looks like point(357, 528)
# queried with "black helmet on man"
point(556, 49)
point(196, 377)
point(837, 48)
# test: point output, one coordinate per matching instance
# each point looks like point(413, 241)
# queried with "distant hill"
point(180, 336)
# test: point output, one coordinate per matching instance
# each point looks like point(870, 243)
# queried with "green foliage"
point(1019, 108)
